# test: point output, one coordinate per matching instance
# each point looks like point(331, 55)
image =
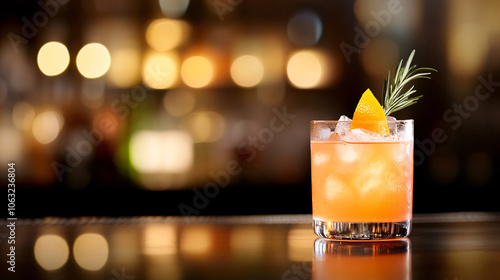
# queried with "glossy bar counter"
point(453, 246)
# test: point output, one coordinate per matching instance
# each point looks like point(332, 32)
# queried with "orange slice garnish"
point(370, 115)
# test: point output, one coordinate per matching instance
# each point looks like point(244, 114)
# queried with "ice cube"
point(320, 158)
point(362, 135)
point(371, 178)
point(355, 135)
point(334, 187)
point(395, 183)
point(342, 128)
point(325, 133)
point(334, 137)
point(401, 153)
point(391, 122)
point(405, 134)
point(344, 118)
point(347, 153)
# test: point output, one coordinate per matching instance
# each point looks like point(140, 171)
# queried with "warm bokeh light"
point(272, 53)
point(467, 44)
point(160, 71)
point(377, 18)
point(382, 16)
point(179, 102)
point(166, 34)
point(23, 115)
point(161, 151)
point(15, 141)
point(125, 70)
point(91, 251)
point(160, 240)
point(53, 58)
point(51, 252)
point(304, 29)
point(299, 242)
point(46, 126)
point(247, 241)
point(364, 9)
point(305, 69)
point(197, 71)
point(205, 126)
point(125, 245)
point(467, 51)
point(247, 71)
point(174, 8)
point(109, 123)
point(378, 56)
point(93, 60)
point(196, 240)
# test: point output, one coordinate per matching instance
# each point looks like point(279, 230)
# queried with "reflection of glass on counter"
point(362, 260)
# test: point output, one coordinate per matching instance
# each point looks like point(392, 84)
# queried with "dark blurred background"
point(178, 107)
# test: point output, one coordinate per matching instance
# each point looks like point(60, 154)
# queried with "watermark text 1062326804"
point(11, 220)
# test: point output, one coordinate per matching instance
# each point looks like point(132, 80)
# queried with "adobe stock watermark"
point(455, 117)
point(30, 28)
point(372, 29)
point(121, 275)
point(303, 270)
point(248, 148)
point(225, 7)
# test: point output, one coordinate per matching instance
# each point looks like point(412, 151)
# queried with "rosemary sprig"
point(394, 99)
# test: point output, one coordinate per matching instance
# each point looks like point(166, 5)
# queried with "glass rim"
point(336, 121)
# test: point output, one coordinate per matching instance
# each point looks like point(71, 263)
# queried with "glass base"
point(361, 231)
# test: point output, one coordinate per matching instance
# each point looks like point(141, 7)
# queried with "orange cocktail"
point(361, 183)
point(362, 169)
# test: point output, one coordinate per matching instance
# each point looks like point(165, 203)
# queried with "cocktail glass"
point(362, 187)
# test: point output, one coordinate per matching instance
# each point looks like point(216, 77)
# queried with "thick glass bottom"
point(361, 231)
